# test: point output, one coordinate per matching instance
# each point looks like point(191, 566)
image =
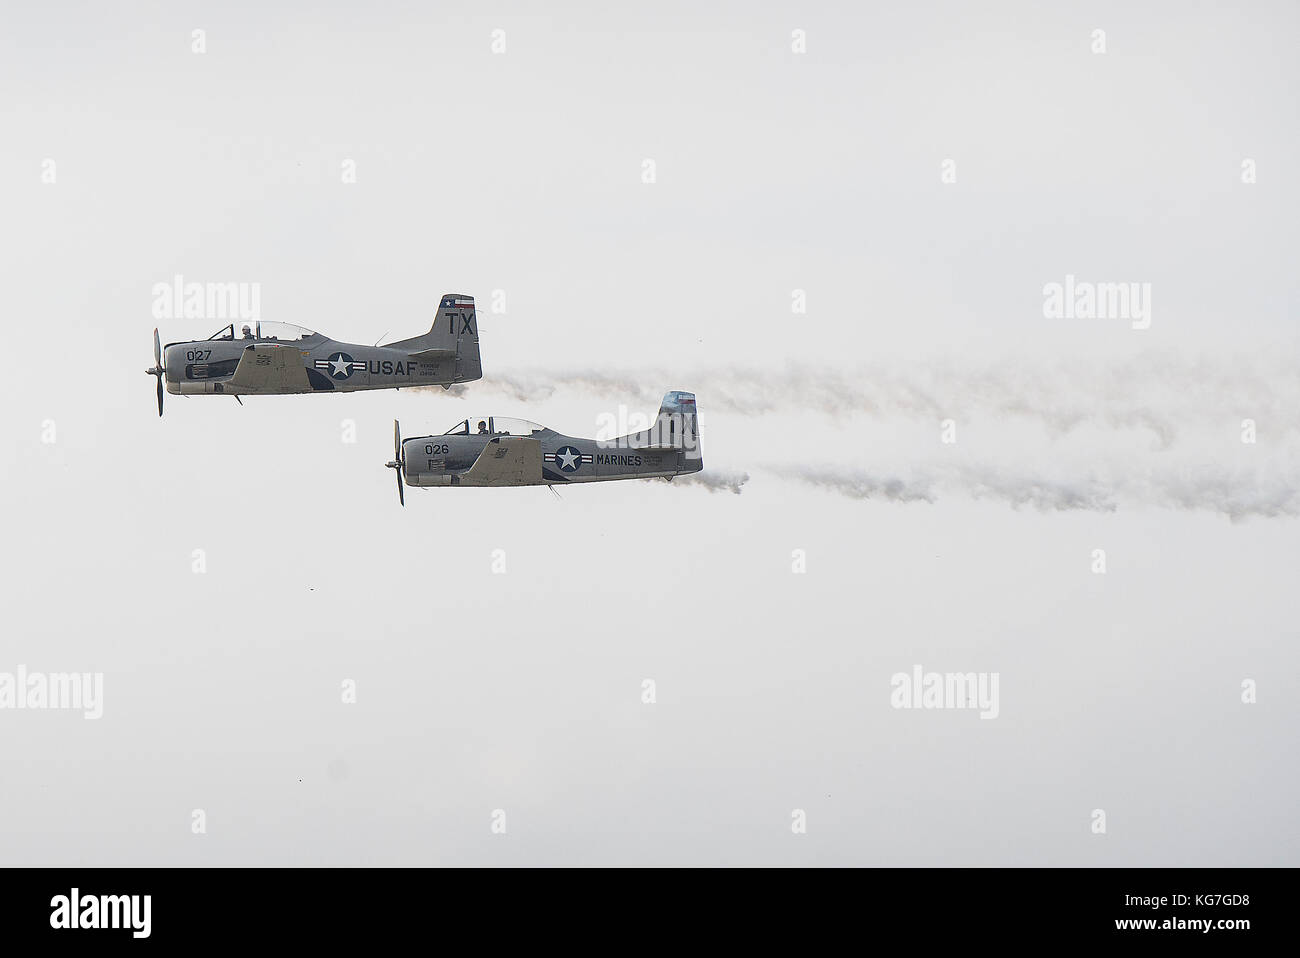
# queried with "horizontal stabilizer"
point(431, 355)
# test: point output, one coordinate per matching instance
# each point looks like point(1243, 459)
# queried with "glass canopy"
point(493, 426)
point(274, 332)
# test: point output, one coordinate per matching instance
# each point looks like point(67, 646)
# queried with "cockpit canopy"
point(493, 426)
point(258, 330)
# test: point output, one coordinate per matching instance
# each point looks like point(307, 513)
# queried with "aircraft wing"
point(506, 461)
point(266, 367)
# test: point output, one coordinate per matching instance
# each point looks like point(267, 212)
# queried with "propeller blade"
point(157, 371)
point(397, 463)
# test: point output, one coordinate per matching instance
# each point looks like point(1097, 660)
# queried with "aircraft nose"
point(173, 362)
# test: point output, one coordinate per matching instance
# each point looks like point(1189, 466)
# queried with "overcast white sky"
point(775, 171)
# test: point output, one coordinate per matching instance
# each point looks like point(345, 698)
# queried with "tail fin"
point(675, 428)
point(454, 334)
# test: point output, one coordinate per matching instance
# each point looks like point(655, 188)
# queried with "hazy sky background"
point(522, 172)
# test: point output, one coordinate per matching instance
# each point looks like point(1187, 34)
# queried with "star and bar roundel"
point(568, 459)
point(339, 365)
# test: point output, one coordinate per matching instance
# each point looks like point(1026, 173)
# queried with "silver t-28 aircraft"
point(491, 451)
point(275, 358)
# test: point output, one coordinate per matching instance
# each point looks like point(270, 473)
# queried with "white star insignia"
point(567, 458)
point(339, 365)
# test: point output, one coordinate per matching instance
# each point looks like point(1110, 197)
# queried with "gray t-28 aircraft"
point(492, 451)
point(276, 358)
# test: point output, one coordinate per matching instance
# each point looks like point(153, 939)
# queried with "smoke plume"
point(715, 480)
point(1235, 495)
point(1159, 394)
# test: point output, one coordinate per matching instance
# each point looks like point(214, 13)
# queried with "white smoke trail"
point(1177, 400)
point(1237, 495)
point(715, 480)
point(1158, 393)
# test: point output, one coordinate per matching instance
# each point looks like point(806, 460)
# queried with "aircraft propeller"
point(157, 370)
point(397, 462)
